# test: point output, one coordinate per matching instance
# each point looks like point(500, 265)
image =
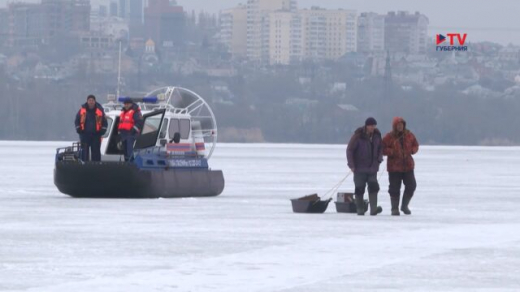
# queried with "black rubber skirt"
point(125, 180)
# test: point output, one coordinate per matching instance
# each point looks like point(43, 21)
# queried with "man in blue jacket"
point(364, 154)
point(91, 125)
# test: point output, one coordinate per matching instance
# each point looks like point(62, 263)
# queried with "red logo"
point(460, 37)
point(440, 39)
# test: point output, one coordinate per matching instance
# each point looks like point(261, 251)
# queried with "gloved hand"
point(79, 131)
point(103, 132)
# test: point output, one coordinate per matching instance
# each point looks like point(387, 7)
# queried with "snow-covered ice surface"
point(464, 234)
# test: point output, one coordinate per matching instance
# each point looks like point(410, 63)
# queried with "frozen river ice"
point(464, 234)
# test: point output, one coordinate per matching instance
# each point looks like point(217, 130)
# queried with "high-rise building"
point(103, 11)
point(25, 24)
point(35, 24)
point(258, 25)
point(4, 26)
point(122, 9)
point(278, 48)
point(371, 33)
point(279, 33)
point(327, 34)
point(135, 18)
point(113, 9)
point(132, 12)
point(164, 23)
point(297, 38)
point(65, 16)
point(233, 30)
point(406, 33)
point(135, 11)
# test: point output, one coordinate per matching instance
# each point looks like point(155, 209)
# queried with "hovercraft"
point(170, 156)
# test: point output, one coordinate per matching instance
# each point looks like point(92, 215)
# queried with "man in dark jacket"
point(364, 154)
point(399, 145)
point(130, 126)
point(91, 125)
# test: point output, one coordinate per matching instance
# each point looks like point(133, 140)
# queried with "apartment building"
point(406, 33)
point(371, 33)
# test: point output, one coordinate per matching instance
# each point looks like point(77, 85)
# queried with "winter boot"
point(374, 209)
point(360, 205)
point(395, 206)
point(404, 205)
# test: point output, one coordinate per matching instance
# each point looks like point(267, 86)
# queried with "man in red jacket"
point(399, 145)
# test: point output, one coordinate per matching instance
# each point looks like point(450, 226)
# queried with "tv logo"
point(460, 38)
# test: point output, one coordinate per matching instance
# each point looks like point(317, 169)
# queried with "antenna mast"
point(119, 72)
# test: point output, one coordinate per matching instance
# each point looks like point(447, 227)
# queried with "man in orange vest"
point(91, 125)
point(130, 125)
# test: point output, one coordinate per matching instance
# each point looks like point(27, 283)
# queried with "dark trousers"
point(407, 178)
point(361, 180)
point(128, 141)
point(90, 143)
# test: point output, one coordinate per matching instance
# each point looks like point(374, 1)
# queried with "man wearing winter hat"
point(130, 126)
point(364, 154)
point(399, 145)
point(91, 125)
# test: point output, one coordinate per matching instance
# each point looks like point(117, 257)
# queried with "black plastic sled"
point(310, 204)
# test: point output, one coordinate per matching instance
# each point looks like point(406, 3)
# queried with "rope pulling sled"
point(314, 204)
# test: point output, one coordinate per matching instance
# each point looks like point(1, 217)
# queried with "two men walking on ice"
point(364, 155)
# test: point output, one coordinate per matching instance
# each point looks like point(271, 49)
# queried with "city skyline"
point(500, 24)
point(495, 21)
point(240, 66)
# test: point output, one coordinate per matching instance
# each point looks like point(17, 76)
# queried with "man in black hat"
point(364, 154)
point(130, 125)
point(91, 125)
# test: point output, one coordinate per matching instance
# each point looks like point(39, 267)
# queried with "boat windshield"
point(151, 125)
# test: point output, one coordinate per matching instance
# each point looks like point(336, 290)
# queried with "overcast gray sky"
point(494, 20)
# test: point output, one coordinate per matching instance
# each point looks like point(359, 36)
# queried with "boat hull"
point(126, 180)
